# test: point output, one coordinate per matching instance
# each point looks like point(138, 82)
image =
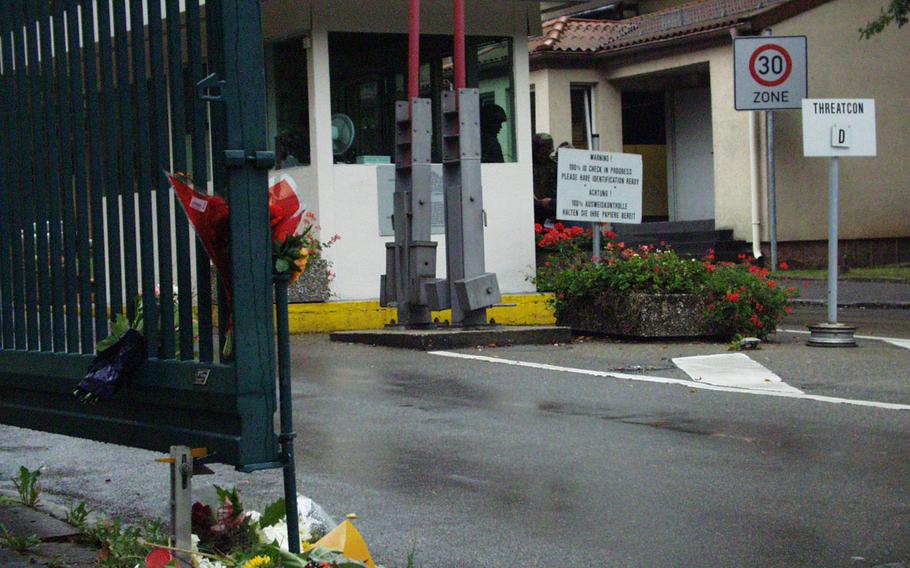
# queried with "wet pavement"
point(470, 463)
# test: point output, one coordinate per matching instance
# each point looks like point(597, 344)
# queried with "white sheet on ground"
point(732, 370)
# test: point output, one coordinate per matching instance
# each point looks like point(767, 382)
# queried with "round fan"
point(342, 133)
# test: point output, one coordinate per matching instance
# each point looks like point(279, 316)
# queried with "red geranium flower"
point(733, 297)
point(784, 266)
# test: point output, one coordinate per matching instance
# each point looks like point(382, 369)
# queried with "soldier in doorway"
point(491, 118)
point(544, 178)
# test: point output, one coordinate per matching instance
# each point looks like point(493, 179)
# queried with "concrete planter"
point(640, 315)
point(313, 284)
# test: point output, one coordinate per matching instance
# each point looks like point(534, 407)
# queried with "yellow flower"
point(257, 562)
point(306, 546)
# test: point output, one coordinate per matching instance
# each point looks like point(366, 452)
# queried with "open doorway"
point(644, 132)
point(666, 117)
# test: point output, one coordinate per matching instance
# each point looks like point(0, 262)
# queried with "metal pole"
point(772, 182)
point(831, 333)
point(772, 190)
point(833, 175)
point(286, 437)
point(595, 227)
point(181, 498)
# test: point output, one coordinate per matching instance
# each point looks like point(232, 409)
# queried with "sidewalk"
point(854, 293)
point(59, 545)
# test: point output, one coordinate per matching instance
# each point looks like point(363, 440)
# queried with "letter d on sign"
point(840, 136)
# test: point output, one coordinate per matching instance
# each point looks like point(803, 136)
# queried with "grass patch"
point(884, 273)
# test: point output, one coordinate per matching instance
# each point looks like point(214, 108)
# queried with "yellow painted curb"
point(528, 309)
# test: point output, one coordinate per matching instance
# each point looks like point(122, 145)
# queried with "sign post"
point(598, 187)
point(596, 226)
point(834, 128)
point(770, 74)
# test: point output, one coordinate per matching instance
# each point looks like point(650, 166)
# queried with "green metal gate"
point(97, 99)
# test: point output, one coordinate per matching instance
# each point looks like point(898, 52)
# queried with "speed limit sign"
point(770, 72)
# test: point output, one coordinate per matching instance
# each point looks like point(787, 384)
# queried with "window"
point(290, 121)
point(582, 116)
point(369, 74)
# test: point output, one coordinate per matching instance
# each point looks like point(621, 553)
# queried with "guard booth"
point(98, 100)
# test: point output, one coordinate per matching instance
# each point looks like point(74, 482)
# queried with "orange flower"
point(300, 263)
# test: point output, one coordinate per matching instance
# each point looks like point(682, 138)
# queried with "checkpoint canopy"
point(769, 73)
point(599, 187)
point(839, 127)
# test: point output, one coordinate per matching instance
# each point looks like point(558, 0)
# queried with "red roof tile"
point(577, 35)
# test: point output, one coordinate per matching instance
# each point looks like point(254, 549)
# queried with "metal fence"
point(99, 98)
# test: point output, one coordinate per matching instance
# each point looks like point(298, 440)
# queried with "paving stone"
point(10, 559)
point(67, 554)
point(23, 521)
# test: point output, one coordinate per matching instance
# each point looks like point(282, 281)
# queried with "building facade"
point(658, 81)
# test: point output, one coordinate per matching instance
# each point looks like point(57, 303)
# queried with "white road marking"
point(670, 381)
point(732, 370)
point(905, 343)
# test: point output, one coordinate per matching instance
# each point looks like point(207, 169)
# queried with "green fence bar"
point(96, 175)
point(200, 175)
point(162, 162)
point(38, 192)
point(67, 194)
point(218, 111)
point(19, 210)
point(80, 201)
point(111, 187)
point(7, 118)
point(178, 145)
point(55, 227)
point(27, 218)
point(145, 168)
point(127, 143)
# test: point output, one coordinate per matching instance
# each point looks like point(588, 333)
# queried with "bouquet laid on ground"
point(226, 535)
point(743, 298)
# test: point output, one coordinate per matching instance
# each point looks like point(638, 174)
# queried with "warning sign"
point(770, 72)
point(598, 187)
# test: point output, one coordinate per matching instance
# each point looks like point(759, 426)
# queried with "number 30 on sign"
point(769, 72)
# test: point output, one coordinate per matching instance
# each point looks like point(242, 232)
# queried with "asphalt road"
point(477, 464)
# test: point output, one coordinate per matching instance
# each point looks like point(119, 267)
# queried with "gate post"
point(243, 73)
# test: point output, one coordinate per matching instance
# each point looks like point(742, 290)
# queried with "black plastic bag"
point(113, 367)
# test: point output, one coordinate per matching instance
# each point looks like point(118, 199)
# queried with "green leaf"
point(281, 265)
point(119, 326)
point(272, 514)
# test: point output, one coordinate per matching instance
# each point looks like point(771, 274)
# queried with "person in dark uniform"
point(544, 167)
point(491, 118)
